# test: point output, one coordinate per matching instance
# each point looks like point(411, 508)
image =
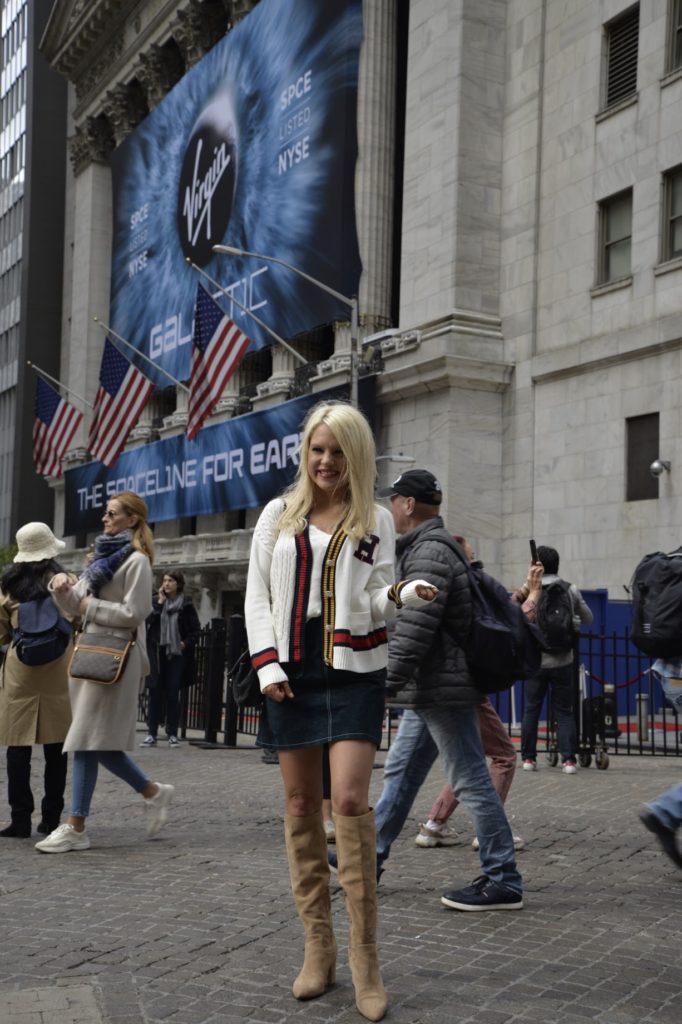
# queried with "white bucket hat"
point(36, 541)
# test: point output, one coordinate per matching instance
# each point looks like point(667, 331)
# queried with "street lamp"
point(231, 250)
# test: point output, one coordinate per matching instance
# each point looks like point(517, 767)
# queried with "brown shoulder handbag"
point(99, 657)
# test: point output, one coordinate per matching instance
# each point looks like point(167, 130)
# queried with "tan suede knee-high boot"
point(309, 870)
point(357, 860)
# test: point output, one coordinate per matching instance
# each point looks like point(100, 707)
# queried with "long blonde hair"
point(354, 435)
point(133, 505)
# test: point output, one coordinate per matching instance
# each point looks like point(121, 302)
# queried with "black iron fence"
point(620, 707)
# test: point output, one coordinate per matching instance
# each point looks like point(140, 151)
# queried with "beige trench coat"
point(34, 699)
point(105, 717)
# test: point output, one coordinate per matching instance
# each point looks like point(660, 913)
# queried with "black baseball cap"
point(415, 483)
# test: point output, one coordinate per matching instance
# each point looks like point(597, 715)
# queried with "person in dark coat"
point(428, 673)
point(172, 633)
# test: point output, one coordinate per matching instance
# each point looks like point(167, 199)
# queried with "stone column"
point(374, 175)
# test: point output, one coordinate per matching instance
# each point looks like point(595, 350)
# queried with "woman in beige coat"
point(113, 596)
point(34, 699)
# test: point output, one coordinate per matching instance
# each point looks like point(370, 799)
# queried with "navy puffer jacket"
point(426, 665)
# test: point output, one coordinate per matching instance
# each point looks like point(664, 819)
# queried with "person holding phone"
point(172, 633)
point(555, 675)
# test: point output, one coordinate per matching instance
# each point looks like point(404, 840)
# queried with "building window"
point(622, 43)
point(615, 232)
point(675, 36)
point(641, 435)
point(672, 215)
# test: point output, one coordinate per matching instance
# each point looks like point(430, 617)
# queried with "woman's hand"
point(61, 583)
point(278, 691)
point(161, 595)
point(426, 592)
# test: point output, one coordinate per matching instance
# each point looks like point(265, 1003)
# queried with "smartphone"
point(533, 552)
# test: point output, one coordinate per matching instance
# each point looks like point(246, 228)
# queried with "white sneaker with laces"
point(156, 808)
point(529, 765)
point(518, 843)
point(63, 840)
point(569, 768)
point(148, 741)
point(433, 834)
point(173, 742)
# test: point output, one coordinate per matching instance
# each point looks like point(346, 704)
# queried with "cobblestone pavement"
point(198, 926)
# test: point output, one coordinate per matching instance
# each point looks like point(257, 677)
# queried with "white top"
point(319, 541)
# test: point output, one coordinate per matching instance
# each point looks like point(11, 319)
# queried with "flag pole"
point(273, 334)
point(141, 355)
point(59, 384)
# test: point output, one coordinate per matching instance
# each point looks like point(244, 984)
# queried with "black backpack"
point(502, 645)
point(555, 617)
point(656, 590)
point(42, 635)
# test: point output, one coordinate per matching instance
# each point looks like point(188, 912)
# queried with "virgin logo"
point(199, 196)
point(207, 181)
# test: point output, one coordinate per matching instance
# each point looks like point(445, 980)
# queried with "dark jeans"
point(167, 684)
point(19, 794)
point(559, 683)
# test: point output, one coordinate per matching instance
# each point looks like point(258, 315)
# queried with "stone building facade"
point(517, 195)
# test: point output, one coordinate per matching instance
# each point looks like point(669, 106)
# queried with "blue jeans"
point(559, 681)
point(409, 760)
point(668, 807)
point(454, 734)
point(85, 766)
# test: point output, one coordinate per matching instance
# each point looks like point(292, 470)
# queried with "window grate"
point(623, 46)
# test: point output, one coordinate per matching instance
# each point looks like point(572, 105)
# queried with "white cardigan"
point(358, 596)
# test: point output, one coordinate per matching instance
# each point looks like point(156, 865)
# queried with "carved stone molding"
point(197, 29)
point(160, 68)
point(96, 71)
point(125, 106)
point(238, 9)
point(92, 142)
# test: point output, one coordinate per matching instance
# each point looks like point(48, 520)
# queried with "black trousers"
point(19, 793)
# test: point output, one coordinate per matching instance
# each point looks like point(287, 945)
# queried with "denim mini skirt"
point(328, 704)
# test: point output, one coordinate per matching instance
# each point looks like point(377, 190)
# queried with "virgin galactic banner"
point(238, 464)
point(255, 148)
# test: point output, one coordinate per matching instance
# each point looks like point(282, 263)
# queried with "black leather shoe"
point(665, 835)
point(16, 832)
point(45, 827)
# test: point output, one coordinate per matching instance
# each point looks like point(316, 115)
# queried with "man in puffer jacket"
point(428, 674)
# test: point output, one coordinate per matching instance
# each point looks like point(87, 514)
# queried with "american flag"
point(55, 423)
point(217, 349)
point(122, 395)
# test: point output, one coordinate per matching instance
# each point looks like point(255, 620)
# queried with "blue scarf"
point(110, 552)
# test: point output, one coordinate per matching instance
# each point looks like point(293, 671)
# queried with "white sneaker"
point(173, 742)
point(518, 843)
point(435, 835)
point(63, 840)
point(569, 768)
point(529, 765)
point(148, 741)
point(156, 808)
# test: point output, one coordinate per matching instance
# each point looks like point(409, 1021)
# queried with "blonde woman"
point(114, 595)
point(320, 589)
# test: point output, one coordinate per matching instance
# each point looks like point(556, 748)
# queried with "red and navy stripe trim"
point(304, 568)
point(264, 657)
point(367, 642)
